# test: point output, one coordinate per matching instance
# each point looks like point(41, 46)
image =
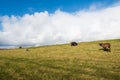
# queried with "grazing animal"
point(106, 46)
point(26, 49)
point(74, 44)
point(20, 47)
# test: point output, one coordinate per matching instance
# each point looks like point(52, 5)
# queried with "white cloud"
point(42, 28)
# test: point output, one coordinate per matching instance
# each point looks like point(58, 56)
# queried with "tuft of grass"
point(62, 62)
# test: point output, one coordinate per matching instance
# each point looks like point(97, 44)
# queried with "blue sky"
point(21, 7)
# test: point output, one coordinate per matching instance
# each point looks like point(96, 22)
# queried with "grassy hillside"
point(62, 62)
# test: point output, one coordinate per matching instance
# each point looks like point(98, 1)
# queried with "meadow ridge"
point(62, 62)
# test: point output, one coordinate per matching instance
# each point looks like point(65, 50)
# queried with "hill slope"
point(62, 62)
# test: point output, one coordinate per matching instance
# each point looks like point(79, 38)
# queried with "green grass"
point(62, 62)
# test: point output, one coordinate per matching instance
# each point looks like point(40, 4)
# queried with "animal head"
point(100, 44)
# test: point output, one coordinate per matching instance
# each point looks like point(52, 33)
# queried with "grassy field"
point(62, 62)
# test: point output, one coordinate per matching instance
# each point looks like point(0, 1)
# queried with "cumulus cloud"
point(43, 28)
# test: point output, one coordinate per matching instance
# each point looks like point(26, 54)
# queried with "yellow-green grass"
point(62, 62)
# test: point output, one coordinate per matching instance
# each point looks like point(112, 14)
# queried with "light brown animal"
point(106, 46)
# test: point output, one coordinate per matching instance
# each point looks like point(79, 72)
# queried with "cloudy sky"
point(47, 22)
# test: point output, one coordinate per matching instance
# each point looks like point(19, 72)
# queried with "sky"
point(48, 22)
point(21, 7)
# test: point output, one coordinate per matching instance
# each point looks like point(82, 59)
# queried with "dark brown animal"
point(74, 44)
point(106, 46)
point(20, 47)
point(26, 49)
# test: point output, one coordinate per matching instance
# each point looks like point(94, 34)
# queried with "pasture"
point(62, 62)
